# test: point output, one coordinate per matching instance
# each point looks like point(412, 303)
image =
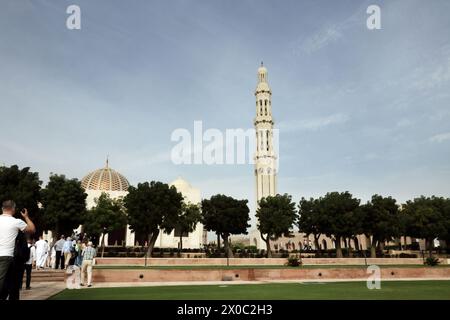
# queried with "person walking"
point(41, 253)
point(88, 254)
point(59, 258)
point(29, 266)
point(9, 230)
point(51, 261)
point(78, 251)
point(67, 251)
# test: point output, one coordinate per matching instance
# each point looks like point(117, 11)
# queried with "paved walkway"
point(42, 290)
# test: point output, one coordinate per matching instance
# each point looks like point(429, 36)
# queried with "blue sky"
point(358, 110)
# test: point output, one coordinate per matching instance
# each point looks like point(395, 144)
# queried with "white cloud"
point(315, 123)
point(328, 34)
point(441, 137)
point(320, 39)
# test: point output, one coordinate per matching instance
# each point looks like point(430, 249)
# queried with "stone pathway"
point(42, 290)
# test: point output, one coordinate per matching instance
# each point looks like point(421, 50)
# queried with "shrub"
point(431, 261)
point(293, 261)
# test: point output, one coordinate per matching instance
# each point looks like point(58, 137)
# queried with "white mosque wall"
point(195, 240)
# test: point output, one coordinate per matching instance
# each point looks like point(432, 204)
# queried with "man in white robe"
point(41, 253)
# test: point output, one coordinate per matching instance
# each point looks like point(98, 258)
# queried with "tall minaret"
point(265, 158)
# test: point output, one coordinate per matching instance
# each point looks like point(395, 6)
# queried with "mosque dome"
point(181, 184)
point(105, 179)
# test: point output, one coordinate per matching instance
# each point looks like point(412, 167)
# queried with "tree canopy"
point(276, 216)
point(339, 211)
point(23, 187)
point(108, 215)
point(187, 221)
point(425, 218)
point(63, 204)
point(311, 220)
point(380, 220)
point(152, 207)
point(225, 216)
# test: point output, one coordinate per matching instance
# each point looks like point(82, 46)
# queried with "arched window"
point(262, 142)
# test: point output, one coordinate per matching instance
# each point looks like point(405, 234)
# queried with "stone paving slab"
point(42, 290)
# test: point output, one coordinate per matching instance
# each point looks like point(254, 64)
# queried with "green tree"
point(23, 187)
point(63, 204)
point(152, 207)
point(340, 217)
point(446, 236)
point(108, 215)
point(426, 219)
point(380, 221)
point(276, 216)
point(310, 219)
point(225, 216)
point(187, 221)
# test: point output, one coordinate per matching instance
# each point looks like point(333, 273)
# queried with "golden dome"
point(105, 179)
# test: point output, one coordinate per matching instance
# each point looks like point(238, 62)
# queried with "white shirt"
point(9, 228)
point(41, 246)
point(32, 254)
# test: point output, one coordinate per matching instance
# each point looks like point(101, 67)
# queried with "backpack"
point(21, 250)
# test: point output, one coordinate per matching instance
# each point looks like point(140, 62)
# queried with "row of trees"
point(342, 218)
point(150, 208)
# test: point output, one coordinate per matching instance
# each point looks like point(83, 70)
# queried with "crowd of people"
point(19, 253)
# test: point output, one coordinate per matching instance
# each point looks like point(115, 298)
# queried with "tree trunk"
point(338, 247)
point(373, 248)
point(350, 248)
point(218, 241)
point(103, 245)
point(316, 243)
point(430, 247)
point(356, 241)
point(180, 249)
point(269, 251)
point(226, 245)
point(151, 242)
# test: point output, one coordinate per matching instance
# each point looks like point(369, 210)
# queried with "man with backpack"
point(9, 240)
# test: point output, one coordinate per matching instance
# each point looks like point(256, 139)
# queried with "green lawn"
point(400, 290)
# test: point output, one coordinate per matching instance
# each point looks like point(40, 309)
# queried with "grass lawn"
point(391, 290)
point(209, 267)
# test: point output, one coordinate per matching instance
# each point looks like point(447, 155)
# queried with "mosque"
point(109, 181)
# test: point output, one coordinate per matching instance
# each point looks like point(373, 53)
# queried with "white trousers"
point(86, 267)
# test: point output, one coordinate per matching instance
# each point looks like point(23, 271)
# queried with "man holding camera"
point(9, 229)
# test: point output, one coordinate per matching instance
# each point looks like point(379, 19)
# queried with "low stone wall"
point(250, 274)
point(253, 261)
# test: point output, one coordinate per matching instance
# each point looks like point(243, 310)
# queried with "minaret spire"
point(265, 158)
